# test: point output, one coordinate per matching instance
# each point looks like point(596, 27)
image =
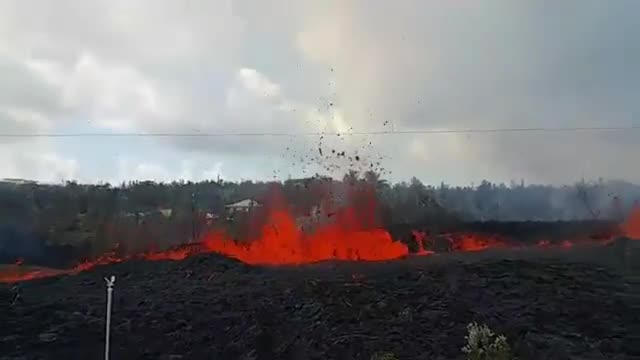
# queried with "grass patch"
point(484, 344)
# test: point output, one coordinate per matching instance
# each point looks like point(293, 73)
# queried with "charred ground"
point(551, 304)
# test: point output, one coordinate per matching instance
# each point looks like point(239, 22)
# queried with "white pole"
point(110, 283)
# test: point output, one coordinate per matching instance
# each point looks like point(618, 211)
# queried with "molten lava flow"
point(473, 242)
point(566, 244)
point(282, 242)
point(421, 238)
point(349, 234)
point(16, 273)
point(105, 259)
point(346, 233)
point(544, 243)
point(631, 227)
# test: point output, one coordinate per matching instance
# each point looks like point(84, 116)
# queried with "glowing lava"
point(351, 234)
point(347, 232)
point(17, 272)
point(421, 239)
point(282, 242)
point(631, 227)
point(472, 242)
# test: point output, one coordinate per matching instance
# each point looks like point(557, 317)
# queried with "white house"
point(166, 212)
point(13, 181)
point(242, 205)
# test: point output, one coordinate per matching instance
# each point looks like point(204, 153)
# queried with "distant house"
point(242, 206)
point(166, 212)
point(14, 181)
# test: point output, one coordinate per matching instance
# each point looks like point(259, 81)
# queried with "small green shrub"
point(484, 344)
point(383, 355)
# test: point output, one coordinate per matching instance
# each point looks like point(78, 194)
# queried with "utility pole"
point(110, 282)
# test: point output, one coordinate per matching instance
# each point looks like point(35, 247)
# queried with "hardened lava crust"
point(551, 304)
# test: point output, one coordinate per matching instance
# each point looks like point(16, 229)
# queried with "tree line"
point(103, 214)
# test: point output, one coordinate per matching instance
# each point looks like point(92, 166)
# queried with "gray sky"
point(306, 66)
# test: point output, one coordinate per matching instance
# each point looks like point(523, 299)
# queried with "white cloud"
point(25, 118)
point(130, 170)
point(279, 66)
point(117, 97)
point(257, 83)
point(320, 41)
point(34, 160)
point(214, 172)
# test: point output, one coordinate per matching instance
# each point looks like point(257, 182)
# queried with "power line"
point(357, 133)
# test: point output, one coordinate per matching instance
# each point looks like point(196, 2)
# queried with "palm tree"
point(373, 178)
point(351, 177)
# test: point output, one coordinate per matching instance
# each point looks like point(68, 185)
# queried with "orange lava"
point(566, 244)
point(173, 254)
point(631, 227)
point(350, 234)
point(421, 239)
point(282, 242)
point(473, 242)
point(544, 243)
point(17, 272)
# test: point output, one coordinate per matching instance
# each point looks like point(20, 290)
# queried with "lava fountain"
point(351, 234)
point(631, 227)
point(349, 231)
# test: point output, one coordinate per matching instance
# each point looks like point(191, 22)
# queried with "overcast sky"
point(248, 66)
